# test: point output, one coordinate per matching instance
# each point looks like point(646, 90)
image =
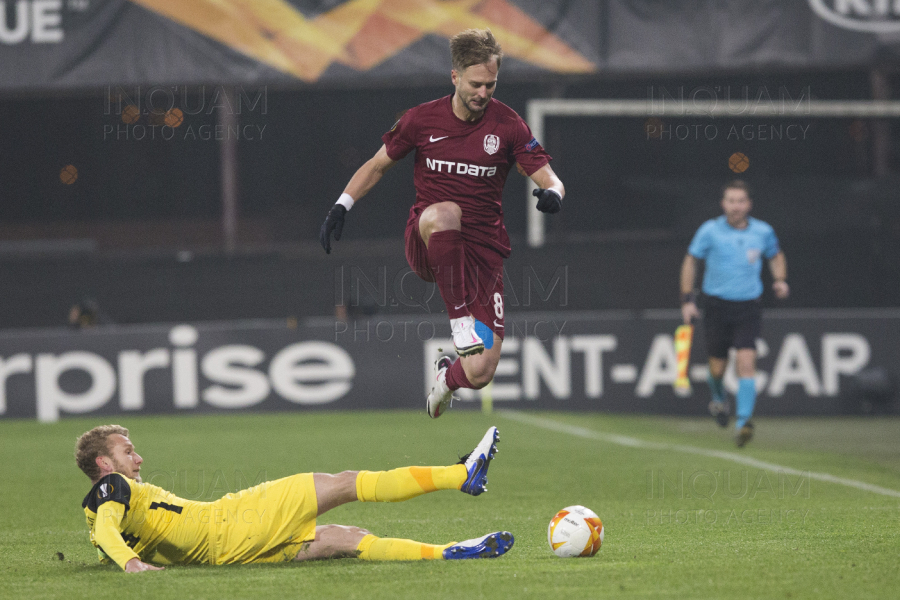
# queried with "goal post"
point(539, 109)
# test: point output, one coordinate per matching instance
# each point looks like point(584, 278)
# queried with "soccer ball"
point(575, 531)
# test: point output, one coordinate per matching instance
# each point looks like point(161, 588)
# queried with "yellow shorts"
point(268, 522)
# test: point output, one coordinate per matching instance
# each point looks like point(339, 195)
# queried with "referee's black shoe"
point(720, 411)
point(744, 434)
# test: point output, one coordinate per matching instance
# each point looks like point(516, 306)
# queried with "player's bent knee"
point(746, 362)
point(359, 532)
point(746, 373)
point(717, 366)
point(342, 539)
point(442, 216)
point(446, 210)
point(334, 490)
point(335, 531)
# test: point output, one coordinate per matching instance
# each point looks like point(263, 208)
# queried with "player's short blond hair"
point(92, 444)
point(474, 47)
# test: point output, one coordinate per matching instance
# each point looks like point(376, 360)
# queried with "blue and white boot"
point(477, 462)
point(491, 545)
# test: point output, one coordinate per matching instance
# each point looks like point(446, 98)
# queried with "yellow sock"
point(407, 482)
point(375, 548)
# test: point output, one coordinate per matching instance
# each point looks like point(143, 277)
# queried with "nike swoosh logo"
point(460, 306)
point(496, 324)
point(434, 139)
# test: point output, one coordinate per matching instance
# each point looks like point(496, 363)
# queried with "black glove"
point(549, 201)
point(333, 222)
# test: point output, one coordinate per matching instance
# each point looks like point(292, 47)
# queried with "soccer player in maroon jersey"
point(466, 144)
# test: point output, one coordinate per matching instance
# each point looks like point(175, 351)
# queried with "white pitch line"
point(631, 442)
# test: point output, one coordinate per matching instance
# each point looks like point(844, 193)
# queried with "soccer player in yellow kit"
point(137, 525)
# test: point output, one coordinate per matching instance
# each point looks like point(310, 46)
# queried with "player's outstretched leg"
point(469, 476)
point(339, 541)
point(441, 396)
point(477, 462)
point(491, 545)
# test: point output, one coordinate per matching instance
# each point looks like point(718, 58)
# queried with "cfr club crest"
point(491, 143)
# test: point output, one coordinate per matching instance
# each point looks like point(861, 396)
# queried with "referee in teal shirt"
point(733, 247)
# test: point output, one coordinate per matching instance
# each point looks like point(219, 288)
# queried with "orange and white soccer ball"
point(575, 531)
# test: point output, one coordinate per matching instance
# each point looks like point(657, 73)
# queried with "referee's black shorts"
point(728, 324)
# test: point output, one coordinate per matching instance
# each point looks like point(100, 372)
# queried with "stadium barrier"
point(815, 362)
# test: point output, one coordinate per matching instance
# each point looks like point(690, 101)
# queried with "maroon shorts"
point(484, 277)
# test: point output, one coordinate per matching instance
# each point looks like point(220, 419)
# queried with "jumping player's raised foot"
point(440, 396)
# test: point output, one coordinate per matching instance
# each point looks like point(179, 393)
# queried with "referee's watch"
point(688, 298)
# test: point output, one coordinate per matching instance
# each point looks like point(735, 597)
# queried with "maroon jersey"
point(466, 162)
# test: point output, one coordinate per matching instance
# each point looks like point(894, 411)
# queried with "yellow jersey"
point(265, 523)
point(129, 520)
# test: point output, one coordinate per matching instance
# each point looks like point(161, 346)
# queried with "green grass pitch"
point(680, 522)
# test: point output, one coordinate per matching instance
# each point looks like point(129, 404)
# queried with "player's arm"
point(778, 268)
point(369, 174)
point(362, 181)
point(108, 537)
point(550, 192)
point(689, 310)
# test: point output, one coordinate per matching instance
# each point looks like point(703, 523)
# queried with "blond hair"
point(474, 47)
point(92, 444)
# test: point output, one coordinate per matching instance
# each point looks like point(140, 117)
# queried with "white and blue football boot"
point(477, 462)
point(491, 545)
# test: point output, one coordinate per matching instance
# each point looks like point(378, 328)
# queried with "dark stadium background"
point(140, 230)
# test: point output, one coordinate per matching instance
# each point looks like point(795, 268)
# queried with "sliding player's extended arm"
point(107, 535)
point(105, 508)
point(362, 181)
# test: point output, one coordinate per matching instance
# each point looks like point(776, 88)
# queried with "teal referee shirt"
point(733, 257)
